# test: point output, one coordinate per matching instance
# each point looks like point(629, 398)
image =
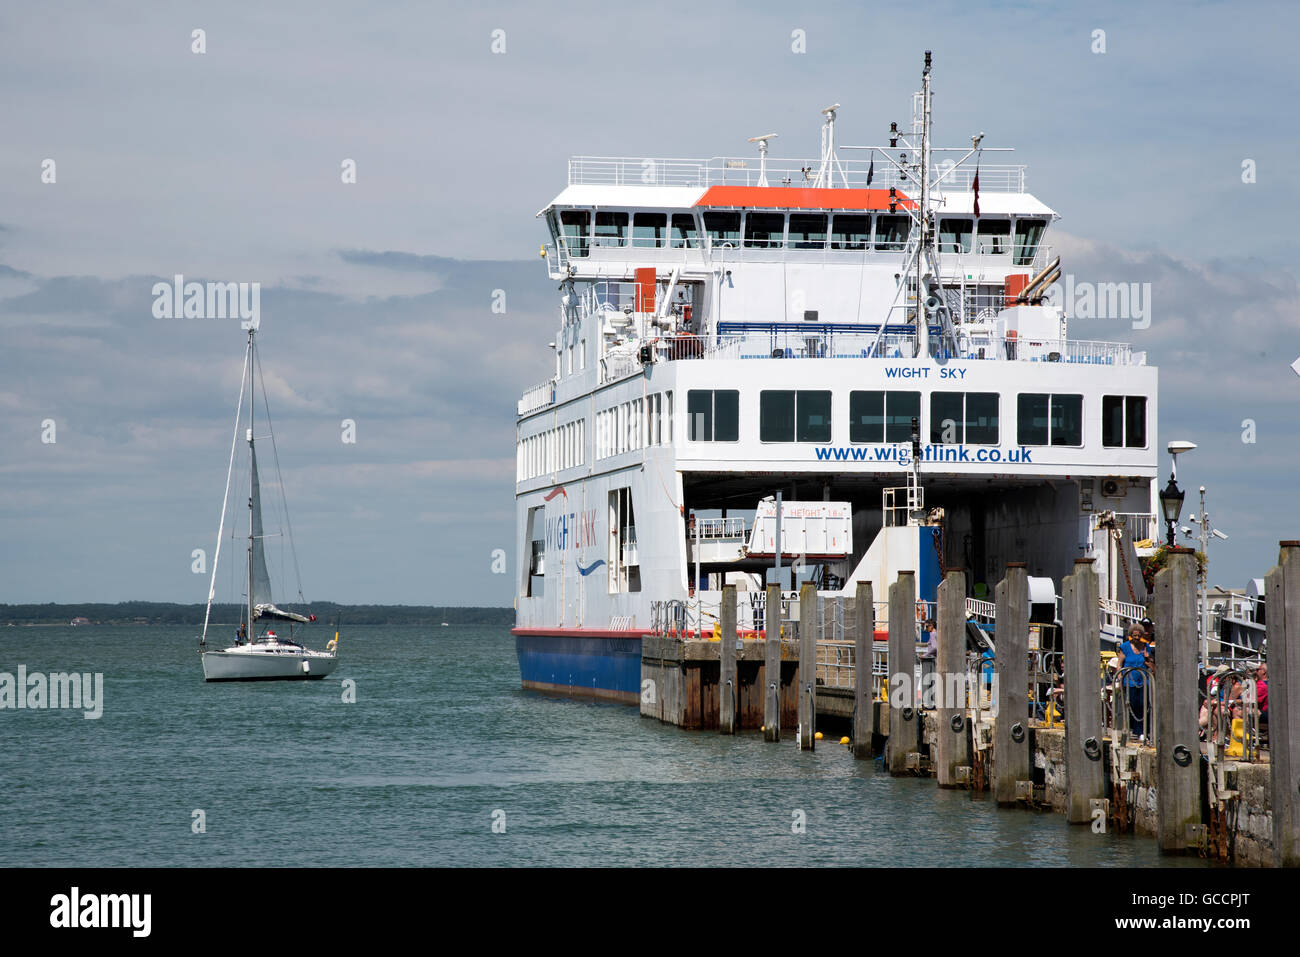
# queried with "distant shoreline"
point(171, 613)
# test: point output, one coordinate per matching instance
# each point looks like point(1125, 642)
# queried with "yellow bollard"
point(1236, 747)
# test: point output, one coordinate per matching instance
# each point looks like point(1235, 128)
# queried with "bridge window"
point(576, 223)
point(649, 230)
point(713, 416)
point(850, 231)
point(882, 416)
point(1028, 233)
point(765, 230)
point(1043, 419)
point(611, 229)
point(964, 418)
point(685, 235)
point(891, 231)
point(722, 228)
point(790, 416)
point(1124, 421)
point(955, 235)
point(995, 236)
point(807, 230)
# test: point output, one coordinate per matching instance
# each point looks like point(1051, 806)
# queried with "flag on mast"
point(975, 184)
point(871, 171)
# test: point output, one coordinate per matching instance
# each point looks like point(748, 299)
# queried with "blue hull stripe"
point(590, 665)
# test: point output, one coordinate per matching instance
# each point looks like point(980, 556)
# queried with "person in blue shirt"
point(1134, 655)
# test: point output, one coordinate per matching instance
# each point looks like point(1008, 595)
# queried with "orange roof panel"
point(800, 197)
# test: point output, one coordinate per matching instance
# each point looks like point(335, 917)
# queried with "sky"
point(376, 295)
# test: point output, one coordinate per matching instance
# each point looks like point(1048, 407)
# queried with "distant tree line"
point(168, 613)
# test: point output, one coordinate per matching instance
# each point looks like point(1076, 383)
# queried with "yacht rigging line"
point(234, 441)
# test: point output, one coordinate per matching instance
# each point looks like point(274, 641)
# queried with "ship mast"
point(922, 321)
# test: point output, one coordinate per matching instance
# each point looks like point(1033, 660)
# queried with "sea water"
point(442, 759)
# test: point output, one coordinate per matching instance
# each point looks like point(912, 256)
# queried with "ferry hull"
point(592, 664)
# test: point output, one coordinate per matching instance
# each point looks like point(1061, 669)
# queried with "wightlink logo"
point(63, 690)
point(211, 300)
point(902, 454)
point(75, 909)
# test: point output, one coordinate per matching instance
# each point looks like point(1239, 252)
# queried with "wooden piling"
point(1176, 705)
point(1011, 762)
point(903, 719)
point(728, 689)
point(808, 634)
point(772, 667)
point(864, 621)
point(1283, 628)
point(1085, 742)
point(950, 680)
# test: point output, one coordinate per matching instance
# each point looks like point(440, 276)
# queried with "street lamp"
point(1171, 503)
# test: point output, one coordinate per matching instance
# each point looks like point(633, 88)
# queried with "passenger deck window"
point(807, 230)
point(1028, 234)
point(713, 415)
point(722, 228)
point(882, 416)
point(789, 416)
point(576, 223)
point(955, 235)
point(1044, 419)
point(891, 231)
point(1124, 421)
point(765, 230)
point(850, 231)
point(611, 229)
point(995, 236)
point(964, 418)
point(649, 230)
point(685, 235)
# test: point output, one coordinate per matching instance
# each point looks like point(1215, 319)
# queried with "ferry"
point(821, 370)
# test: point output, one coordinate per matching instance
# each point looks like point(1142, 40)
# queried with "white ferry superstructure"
point(731, 329)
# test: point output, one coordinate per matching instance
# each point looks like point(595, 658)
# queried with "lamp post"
point(1171, 504)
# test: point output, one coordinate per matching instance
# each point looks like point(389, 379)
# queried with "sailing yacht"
point(267, 656)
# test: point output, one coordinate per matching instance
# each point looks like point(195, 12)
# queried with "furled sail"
point(259, 580)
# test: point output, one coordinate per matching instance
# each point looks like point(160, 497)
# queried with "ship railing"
point(538, 397)
point(978, 608)
point(850, 341)
point(745, 171)
point(719, 528)
point(618, 365)
point(1137, 526)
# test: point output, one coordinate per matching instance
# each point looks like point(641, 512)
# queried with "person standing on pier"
point(1134, 654)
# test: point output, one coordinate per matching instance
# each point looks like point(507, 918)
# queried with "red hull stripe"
point(799, 197)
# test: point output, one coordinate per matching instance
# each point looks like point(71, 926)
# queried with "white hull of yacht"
point(259, 662)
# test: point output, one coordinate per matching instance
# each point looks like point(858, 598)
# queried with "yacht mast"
point(252, 477)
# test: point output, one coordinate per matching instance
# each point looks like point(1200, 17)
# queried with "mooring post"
point(1178, 748)
point(1011, 764)
point(903, 719)
point(1085, 743)
point(809, 626)
point(864, 622)
point(772, 666)
point(950, 680)
point(1282, 589)
point(728, 691)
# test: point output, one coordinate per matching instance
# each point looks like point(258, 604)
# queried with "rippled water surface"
point(440, 743)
